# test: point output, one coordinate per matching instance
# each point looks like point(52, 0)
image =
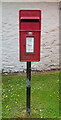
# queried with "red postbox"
point(29, 35)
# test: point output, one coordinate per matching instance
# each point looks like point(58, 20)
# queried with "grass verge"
point(44, 96)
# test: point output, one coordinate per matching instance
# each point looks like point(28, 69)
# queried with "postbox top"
point(30, 14)
point(30, 20)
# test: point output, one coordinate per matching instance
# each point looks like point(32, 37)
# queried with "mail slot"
point(29, 35)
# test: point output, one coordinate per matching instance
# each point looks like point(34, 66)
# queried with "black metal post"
point(28, 87)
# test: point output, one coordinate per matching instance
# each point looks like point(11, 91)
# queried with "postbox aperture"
point(29, 35)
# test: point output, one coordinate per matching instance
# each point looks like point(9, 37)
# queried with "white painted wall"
point(0, 37)
point(49, 41)
point(30, 1)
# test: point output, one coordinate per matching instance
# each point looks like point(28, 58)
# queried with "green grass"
point(44, 96)
point(0, 96)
